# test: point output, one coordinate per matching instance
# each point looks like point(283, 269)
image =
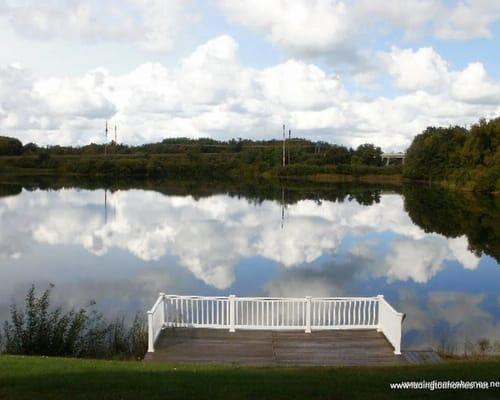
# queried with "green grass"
point(57, 378)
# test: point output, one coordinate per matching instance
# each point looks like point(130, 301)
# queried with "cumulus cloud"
point(424, 69)
point(323, 27)
point(473, 85)
point(151, 24)
point(301, 26)
point(209, 93)
point(469, 19)
point(421, 69)
point(74, 98)
point(54, 110)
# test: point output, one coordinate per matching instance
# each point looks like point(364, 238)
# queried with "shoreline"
point(396, 179)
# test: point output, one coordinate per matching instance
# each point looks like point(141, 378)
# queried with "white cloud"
point(473, 85)
point(469, 19)
point(209, 93)
point(301, 26)
point(425, 69)
point(297, 86)
point(343, 29)
point(150, 24)
point(74, 98)
point(421, 69)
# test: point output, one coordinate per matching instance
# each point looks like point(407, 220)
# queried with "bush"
point(40, 330)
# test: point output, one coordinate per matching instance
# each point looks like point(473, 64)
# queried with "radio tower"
point(116, 141)
point(284, 138)
point(106, 141)
point(289, 138)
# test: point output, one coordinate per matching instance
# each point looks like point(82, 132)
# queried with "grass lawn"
point(57, 378)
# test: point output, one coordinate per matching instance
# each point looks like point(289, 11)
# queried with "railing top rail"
point(173, 296)
point(271, 298)
point(157, 304)
point(391, 308)
point(343, 298)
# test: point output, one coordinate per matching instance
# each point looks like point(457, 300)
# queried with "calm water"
point(433, 254)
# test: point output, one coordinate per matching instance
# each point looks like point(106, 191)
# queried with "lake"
point(434, 254)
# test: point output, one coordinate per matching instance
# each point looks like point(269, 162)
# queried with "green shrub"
point(40, 330)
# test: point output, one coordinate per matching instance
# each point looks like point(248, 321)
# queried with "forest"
point(467, 159)
point(194, 158)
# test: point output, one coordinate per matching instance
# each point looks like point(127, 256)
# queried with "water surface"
point(433, 254)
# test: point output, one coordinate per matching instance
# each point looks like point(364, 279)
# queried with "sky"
point(347, 72)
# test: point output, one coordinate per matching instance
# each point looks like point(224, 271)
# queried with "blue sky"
point(342, 71)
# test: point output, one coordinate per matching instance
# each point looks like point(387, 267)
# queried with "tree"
point(482, 145)
point(337, 155)
point(367, 154)
point(10, 146)
point(458, 157)
point(30, 148)
point(434, 151)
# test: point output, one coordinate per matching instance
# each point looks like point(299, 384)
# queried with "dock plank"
point(273, 348)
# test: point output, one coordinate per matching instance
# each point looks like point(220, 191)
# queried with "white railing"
point(156, 321)
point(273, 313)
point(389, 323)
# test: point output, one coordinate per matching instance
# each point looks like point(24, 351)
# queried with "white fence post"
point(397, 339)
point(151, 338)
point(162, 295)
point(390, 323)
point(380, 297)
point(308, 314)
point(232, 312)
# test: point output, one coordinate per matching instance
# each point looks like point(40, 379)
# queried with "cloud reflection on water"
point(210, 236)
point(145, 242)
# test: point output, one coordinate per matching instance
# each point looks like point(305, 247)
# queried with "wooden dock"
point(274, 348)
point(272, 331)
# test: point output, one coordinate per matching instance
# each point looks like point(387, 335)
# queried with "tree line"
point(463, 158)
point(297, 150)
point(468, 159)
point(192, 158)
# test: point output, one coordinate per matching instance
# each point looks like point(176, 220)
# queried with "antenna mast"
point(289, 138)
point(284, 138)
point(116, 142)
point(106, 141)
